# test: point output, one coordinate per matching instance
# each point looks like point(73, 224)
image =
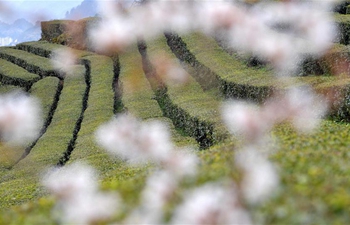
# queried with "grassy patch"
point(314, 171)
point(45, 49)
point(99, 110)
point(200, 108)
point(34, 64)
point(139, 98)
point(20, 183)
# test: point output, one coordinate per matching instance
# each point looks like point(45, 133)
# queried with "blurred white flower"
point(211, 204)
point(67, 181)
point(171, 70)
point(88, 209)
point(134, 141)
point(160, 187)
point(260, 178)
point(245, 119)
point(300, 105)
point(176, 75)
point(79, 200)
point(182, 163)
point(20, 118)
point(306, 20)
point(112, 35)
point(305, 107)
point(63, 60)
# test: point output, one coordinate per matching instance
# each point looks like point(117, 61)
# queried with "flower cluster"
point(20, 118)
point(63, 60)
point(212, 203)
point(79, 201)
point(300, 105)
point(253, 123)
point(137, 142)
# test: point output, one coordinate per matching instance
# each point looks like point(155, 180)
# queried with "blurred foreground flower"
point(134, 141)
point(160, 188)
point(63, 60)
point(142, 142)
point(79, 200)
point(20, 118)
point(300, 105)
point(170, 69)
point(260, 178)
point(211, 204)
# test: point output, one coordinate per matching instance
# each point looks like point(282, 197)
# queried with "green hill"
point(313, 168)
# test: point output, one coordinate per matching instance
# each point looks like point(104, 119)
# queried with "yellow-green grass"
point(313, 168)
point(138, 96)
point(344, 18)
point(114, 172)
point(4, 88)
point(11, 70)
point(208, 52)
point(22, 182)
point(33, 63)
point(45, 49)
point(314, 172)
point(224, 65)
point(204, 105)
point(44, 91)
point(99, 110)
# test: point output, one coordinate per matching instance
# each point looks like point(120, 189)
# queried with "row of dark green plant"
point(209, 79)
point(336, 86)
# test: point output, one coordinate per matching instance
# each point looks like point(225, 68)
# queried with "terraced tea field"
point(314, 169)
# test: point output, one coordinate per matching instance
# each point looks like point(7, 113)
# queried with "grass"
point(232, 69)
point(11, 70)
point(139, 98)
point(44, 90)
point(314, 173)
point(200, 104)
point(23, 179)
point(208, 52)
point(35, 64)
point(45, 49)
point(9, 88)
point(99, 110)
point(314, 168)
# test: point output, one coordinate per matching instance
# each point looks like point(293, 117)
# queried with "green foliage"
point(45, 48)
point(140, 100)
point(15, 75)
point(343, 23)
point(191, 109)
point(218, 69)
point(99, 110)
point(23, 178)
point(313, 168)
point(32, 63)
